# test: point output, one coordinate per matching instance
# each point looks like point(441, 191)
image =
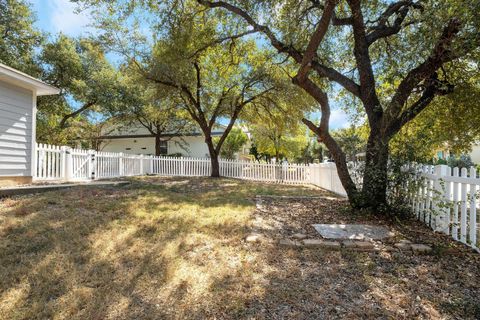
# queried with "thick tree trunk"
point(215, 167)
point(375, 178)
point(213, 157)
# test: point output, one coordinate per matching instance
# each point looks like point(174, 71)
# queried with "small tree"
point(233, 143)
point(213, 82)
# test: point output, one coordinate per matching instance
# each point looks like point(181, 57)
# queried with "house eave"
point(18, 78)
point(166, 135)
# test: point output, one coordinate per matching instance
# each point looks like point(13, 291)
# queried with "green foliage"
point(313, 152)
point(274, 136)
point(89, 84)
point(234, 143)
point(450, 122)
point(352, 140)
point(463, 161)
point(18, 38)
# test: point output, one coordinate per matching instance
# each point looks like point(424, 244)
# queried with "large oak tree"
point(359, 48)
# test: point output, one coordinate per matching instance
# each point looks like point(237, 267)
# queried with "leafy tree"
point(450, 123)
point(216, 84)
point(313, 152)
point(88, 84)
point(463, 161)
point(234, 143)
point(275, 123)
point(410, 43)
point(352, 140)
point(162, 115)
point(274, 138)
point(18, 37)
point(213, 77)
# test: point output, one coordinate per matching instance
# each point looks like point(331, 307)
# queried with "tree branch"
point(400, 9)
point(281, 47)
point(220, 40)
point(441, 54)
point(65, 118)
point(316, 39)
point(368, 94)
point(434, 87)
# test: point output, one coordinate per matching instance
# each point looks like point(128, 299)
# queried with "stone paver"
point(352, 231)
point(316, 243)
point(299, 236)
point(359, 245)
point(403, 246)
point(421, 248)
point(289, 243)
point(254, 237)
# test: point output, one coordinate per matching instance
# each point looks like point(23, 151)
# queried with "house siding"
point(195, 146)
point(16, 121)
point(475, 154)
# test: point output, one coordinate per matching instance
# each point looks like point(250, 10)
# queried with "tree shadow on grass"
point(156, 252)
point(118, 253)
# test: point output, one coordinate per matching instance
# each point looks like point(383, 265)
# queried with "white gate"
point(82, 162)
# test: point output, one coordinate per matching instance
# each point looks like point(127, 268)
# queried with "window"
point(163, 147)
point(128, 148)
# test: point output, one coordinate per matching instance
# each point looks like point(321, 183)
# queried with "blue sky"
point(56, 16)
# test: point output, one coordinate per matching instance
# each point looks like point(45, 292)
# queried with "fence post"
point(440, 206)
point(63, 162)
point(68, 164)
point(141, 165)
point(92, 164)
point(35, 161)
point(120, 164)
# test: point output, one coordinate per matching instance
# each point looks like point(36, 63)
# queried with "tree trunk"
point(157, 145)
point(213, 157)
point(375, 177)
point(215, 167)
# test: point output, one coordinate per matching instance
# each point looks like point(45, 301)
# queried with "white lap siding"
point(195, 146)
point(16, 123)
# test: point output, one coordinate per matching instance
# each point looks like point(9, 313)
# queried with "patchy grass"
point(173, 248)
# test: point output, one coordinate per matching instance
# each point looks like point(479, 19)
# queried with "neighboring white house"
point(475, 154)
point(18, 106)
point(138, 140)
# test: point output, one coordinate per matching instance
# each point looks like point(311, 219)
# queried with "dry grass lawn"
point(173, 248)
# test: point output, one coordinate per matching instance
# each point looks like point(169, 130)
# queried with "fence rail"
point(447, 199)
point(63, 163)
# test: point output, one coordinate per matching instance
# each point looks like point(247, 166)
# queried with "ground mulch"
point(384, 284)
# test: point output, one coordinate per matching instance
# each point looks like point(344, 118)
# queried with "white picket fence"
point(63, 163)
point(68, 164)
point(447, 200)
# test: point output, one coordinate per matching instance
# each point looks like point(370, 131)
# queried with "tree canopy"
point(18, 36)
point(388, 59)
